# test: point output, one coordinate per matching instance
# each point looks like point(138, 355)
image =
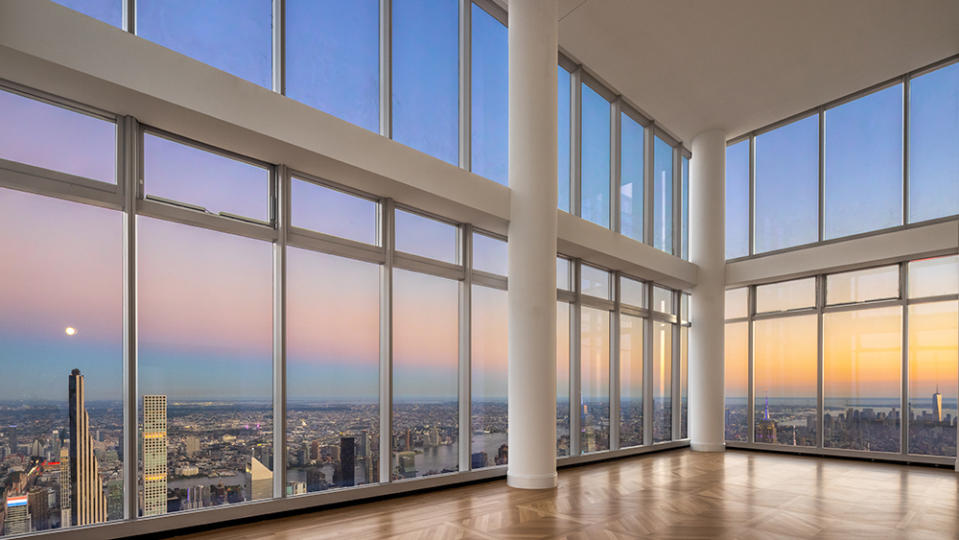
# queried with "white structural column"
point(533, 32)
point(707, 250)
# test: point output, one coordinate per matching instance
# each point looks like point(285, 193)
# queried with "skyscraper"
point(86, 487)
point(348, 461)
point(937, 405)
point(18, 516)
point(154, 455)
point(65, 505)
point(38, 504)
point(259, 480)
point(192, 446)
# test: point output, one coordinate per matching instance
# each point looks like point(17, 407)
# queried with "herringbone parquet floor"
point(677, 494)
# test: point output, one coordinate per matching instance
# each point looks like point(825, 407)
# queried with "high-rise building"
point(38, 505)
point(18, 515)
point(65, 497)
point(89, 505)
point(347, 461)
point(478, 460)
point(407, 464)
point(154, 455)
point(192, 446)
point(937, 405)
point(259, 480)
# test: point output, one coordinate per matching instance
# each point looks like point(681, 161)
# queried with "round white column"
point(707, 250)
point(533, 34)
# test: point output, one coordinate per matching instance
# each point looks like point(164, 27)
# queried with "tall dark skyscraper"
point(86, 486)
point(348, 460)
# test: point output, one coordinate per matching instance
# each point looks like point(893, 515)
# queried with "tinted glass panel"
point(737, 303)
point(426, 76)
point(862, 360)
point(562, 274)
point(426, 237)
point(488, 350)
point(934, 277)
point(108, 11)
point(786, 295)
point(333, 372)
point(663, 300)
point(563, 131)
point(425, 368)
point(933, 139)
point(329, 211)
point(631, 332)
point(684, 208)
point(631, 186)
point(787, 185)
point(632, 292)
point(62, 310)
point(662, 381)
point(187, 174)
point(684, 384)
point(662, 195)
point(562, 379)
point(863, 141)
point(205, 353)
point(595, 164)
point(594, 282)
point(863, 285)
point(233, 35)
point(490, 254)
point(736, 367)
point(594, 359)
point(786, 377)
point(933, 353)
point(43, 135)
point(333, 58)
point(737, 200)
point(489, 98)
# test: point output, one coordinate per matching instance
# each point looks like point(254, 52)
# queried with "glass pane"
point(187, 174)
point(796, 294)
point(562, 140)
point(737, 303)
point(594, 359)
point(933, 365)
point(736, 377)
point(785, 352)
point(631, 186)
point(684, 384)
point(662, 381)
point(685, 207)
point(562, 274)
point(321, 209)
point(426, 237)
point(490, 254)
point(737, 200)
point(933, 139)
point(562, 379)
point(425, 375)
point(662, 195)
point(663, 300)
point(489, 98)
point(205, 353)
point(233, 35)
point(862, 360)
point(934, 277)
point(595, 157)
point(684, 300)
point(108, 11)
point(62, 313)
point(43, 135)
point(863, 147)
point(488, 383)
point(333, 372)
point(863, 285)
point(426, 76)
point(632, 292)
point(594, 282)
point(631, 332)
point(333, 58)
point(787, 185)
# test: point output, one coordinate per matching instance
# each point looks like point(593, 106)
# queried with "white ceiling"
point(738, 65)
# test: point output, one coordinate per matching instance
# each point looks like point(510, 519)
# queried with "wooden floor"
point(676, 494)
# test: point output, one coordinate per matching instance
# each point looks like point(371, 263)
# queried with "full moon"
point(71, 331)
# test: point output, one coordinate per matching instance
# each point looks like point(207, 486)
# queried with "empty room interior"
point(485, 269)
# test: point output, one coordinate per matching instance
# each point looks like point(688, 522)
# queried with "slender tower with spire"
point(937, 405)
point(86, 486)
